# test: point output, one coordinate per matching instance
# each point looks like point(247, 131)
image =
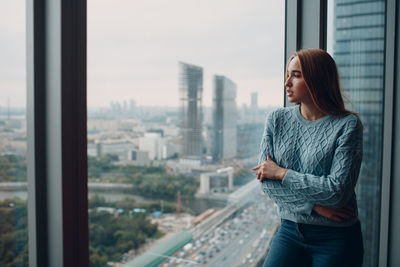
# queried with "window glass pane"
point(178, 93)
point(13, 142)
point(356, 31)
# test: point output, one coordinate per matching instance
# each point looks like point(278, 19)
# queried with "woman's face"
point(296, 87)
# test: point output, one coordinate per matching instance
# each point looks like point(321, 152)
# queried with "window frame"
point(56, 125)
point(56, 121)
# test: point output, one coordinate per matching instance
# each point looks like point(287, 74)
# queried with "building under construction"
point(191, 116)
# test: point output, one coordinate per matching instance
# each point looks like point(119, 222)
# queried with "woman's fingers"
point(348, 210)
point(343, 215)
point(259, 172)
point(336, 218)
point(336, 214)
point(256, 167)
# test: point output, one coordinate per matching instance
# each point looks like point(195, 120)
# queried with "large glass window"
point(356, 40)
point(13, 144)
point(178, 92)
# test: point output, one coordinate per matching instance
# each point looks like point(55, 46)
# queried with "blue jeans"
point(297, 244)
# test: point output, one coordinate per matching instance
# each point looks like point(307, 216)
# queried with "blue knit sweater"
point(323, 159)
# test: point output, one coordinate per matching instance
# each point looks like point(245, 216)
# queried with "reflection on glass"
point(356, 41)
point(13, 142)
point(172, 133)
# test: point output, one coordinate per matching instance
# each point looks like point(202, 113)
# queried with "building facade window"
point(356, 40)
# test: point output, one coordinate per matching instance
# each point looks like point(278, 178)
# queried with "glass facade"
point(224, 137)
point(356, 40)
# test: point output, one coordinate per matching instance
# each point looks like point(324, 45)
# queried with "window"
point(178, 93)
point(56, 120)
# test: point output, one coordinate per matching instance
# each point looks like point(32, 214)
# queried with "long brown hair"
point(322, 79)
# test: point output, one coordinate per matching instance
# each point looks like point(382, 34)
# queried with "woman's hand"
point(269, 170)
point(336, 214)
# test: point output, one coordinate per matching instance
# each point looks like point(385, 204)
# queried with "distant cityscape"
point(210, 143)
point(215, 147)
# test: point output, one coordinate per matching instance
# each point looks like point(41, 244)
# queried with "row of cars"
point(239, 240)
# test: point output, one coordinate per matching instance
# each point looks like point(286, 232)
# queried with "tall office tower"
point(191, 117)
point(224, 118)
point(359, 49)
point(254, 101)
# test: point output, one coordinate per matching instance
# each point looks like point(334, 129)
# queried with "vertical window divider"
point(36, 134)
point(323, 21)
point(293, 30)
point(57, 146)
point(387, 228)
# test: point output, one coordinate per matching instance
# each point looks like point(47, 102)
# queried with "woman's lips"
point(289, 93)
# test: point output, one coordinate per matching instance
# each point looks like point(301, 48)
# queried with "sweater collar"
point(304, 121)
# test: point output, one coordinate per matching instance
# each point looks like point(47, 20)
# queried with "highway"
point(240, 240)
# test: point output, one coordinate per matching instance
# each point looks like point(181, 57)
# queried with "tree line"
point(12, 168)
point(110, 236)
point(152, 182)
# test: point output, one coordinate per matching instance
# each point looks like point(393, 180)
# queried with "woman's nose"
point(287, 83)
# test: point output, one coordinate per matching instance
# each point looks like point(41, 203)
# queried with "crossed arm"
point(327, 195)
point(270, 170)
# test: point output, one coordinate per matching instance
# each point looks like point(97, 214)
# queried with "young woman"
point(309, 163)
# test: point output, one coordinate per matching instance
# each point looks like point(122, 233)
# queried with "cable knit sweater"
point(323, 159)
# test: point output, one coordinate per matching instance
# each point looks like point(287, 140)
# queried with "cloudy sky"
point(134, 47)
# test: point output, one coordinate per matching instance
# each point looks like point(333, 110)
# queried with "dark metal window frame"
point(56, 119)
point(390, 201)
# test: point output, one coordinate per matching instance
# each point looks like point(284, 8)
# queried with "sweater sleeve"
point(280, 194)
point(336, 188)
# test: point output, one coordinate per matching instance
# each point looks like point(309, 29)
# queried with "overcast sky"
point(134, 48)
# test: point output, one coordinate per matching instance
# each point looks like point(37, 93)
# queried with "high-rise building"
point(254, 101)
point(359, 51)
point(190, 114)
point(224, 133)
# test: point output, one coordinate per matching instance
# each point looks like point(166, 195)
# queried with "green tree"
point(13, 233)
point(111, 236)
point(12, 168)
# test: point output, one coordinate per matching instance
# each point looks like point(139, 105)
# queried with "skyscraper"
point(190, 114)
point(359, 51)
point(224, 118)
